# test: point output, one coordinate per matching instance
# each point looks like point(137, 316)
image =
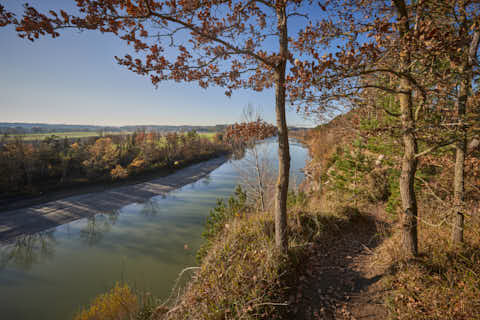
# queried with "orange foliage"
point(249, 131)
point(119, 172)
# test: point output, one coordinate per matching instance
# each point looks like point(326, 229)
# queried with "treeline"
point(30, 168)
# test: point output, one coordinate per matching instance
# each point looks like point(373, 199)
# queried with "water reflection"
point(97, 226)
point(151, 208)
point(28, 250)
point(206, 180)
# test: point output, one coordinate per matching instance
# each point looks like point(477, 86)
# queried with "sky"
point(74, 79)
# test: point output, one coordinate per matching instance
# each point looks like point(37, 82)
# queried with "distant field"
point(70, 135)
point(208, 135)
point(85, 134)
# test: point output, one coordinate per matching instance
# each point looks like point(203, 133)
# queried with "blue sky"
point(74, 79)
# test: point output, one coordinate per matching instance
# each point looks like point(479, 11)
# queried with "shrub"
point(218, 217)
point(119, 172)
point(117, 304)
point(240, 276)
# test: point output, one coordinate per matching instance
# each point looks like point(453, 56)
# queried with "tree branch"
point(208, 36)
point(444, 144)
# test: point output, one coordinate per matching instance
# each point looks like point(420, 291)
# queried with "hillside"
point(355, 168)
point(345, 260)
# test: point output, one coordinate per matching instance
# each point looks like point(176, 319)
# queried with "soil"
point(340, 278)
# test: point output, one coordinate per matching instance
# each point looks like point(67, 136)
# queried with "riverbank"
point(31, 170)
point(73, 189)
point(45, 215)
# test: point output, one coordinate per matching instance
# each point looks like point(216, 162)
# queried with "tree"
point(103, 156)
point(367, 43)
point(255, 168)
point(222, 43)
point(448, 50)
point(464, 59)
point(383, 46)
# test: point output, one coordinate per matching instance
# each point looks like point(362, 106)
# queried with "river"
point(53, 274)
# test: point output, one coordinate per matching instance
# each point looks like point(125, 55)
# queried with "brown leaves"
point(227, 44)
point(249, 131)
point(6, 17)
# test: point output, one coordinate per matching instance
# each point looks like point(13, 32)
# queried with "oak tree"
point(459, 23)
point(389, 47)
point(421, 52)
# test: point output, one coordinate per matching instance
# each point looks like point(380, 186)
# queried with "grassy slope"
point(444, 281)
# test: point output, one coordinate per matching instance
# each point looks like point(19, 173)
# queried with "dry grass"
point(443, 282)
point(239, 278)
point(243, 276)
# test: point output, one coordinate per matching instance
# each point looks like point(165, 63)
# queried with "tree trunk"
point(461, 145)
point(409, 168)
point(409, 161)
point(459, 189)
point(461, 148)
point(259, 169)
point(281, 240)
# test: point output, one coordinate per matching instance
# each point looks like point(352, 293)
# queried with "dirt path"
point(339, 280)
point(28, 220)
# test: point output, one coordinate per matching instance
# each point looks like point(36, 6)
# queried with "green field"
point(84, 134)
point(208, 135)
point(70, 135)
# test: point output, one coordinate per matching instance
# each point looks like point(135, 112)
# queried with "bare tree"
point(256, 167)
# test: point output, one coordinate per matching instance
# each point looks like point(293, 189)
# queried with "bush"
point(219, 215)
point(119, 172)
point(119, 303)
point(240, 275)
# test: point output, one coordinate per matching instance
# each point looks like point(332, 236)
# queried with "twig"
point(431, 190)
point(474, 186)
point(431, 224)
point(176, 284)
point(367, 248)
point(271, 304)
point(440, 145)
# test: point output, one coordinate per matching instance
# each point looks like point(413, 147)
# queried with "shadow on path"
point(336, 281)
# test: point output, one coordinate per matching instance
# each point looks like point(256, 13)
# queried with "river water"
point(51, 275)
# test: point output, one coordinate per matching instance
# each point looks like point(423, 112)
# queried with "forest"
point(30, 168)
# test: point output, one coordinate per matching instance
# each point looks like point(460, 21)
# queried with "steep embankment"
point(362, 273)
